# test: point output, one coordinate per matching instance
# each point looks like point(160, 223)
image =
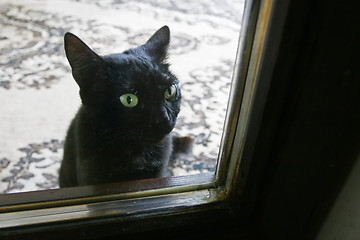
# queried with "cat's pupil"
point(129, 99)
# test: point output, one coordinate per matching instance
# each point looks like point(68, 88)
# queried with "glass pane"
point(40, 97)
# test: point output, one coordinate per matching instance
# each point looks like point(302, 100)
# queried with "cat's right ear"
point(85, 63)
point(158, 44)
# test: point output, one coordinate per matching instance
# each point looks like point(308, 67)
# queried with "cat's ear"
point(158, 44)
point(85, 63)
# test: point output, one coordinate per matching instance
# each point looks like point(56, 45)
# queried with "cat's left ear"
point(158, 44)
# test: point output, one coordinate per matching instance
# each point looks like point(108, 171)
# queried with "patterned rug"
point(39, 97)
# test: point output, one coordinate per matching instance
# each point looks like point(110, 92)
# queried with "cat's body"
point(130, 102)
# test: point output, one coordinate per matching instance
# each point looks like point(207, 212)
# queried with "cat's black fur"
point(108, 141)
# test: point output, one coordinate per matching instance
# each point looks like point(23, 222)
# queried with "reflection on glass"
point(42, 98)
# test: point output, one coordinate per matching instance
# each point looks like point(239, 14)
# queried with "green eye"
point(170, 93)
point(129, 100)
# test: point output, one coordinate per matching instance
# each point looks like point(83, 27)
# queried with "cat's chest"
point(135, 159)
point(127, 151)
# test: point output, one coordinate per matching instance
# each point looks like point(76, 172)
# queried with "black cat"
point(130, 102)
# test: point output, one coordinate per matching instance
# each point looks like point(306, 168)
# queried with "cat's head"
point(133, 91)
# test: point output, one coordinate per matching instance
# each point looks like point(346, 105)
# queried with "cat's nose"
point(161, 118)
